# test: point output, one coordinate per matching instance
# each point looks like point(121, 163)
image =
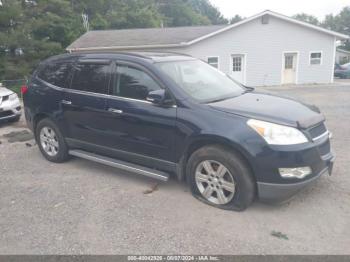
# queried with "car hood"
point(272, 108)
point(5, 92)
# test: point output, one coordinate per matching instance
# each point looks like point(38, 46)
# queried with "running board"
point(137, 169)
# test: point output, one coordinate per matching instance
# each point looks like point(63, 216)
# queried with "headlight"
point(277, 134)
point(13, 96)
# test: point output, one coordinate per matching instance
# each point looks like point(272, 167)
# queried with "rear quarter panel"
point(42, 99)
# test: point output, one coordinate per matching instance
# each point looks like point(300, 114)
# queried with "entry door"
point(138, 130)
point(289, 68)
point(238, 68)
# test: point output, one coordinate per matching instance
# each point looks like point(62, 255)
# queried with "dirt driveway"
point(83, 207)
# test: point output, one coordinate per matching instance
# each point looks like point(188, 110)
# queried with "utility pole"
point(85, 21)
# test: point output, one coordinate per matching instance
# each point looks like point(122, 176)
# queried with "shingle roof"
point(142, 37)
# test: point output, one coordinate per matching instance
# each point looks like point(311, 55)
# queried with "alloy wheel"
point(215, 182)
point(49, 141)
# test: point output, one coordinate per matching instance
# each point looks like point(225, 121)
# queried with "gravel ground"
point(81, 207)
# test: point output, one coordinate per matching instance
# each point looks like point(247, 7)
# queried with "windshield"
point(201, 81)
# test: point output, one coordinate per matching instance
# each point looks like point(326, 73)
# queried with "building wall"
point(264, 45)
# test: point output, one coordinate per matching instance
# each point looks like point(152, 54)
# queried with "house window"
point(315, 58)
point(213, 61)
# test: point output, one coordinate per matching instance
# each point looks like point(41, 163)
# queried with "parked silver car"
point(10, 106)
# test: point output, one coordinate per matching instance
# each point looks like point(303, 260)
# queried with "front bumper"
point(268, 159)
point(271, 192)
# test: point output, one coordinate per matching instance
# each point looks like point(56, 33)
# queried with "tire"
point(237, 183)
point(51, 143)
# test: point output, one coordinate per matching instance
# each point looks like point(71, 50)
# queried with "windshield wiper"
point(248, 89)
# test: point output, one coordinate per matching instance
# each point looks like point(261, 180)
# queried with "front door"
point(138, 130)
point(237, 70)
point(289, 68)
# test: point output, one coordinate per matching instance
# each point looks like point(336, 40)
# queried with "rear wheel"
point(221, 178)
point(51, 142)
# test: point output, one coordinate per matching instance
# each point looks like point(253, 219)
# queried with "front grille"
point(3, 98)
point(324, 148)
point(318, 130)
point(6, 113)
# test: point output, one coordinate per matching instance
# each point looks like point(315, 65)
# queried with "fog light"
point(295, 172)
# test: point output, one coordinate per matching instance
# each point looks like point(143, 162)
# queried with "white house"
point(342, 56)
point(265, 49)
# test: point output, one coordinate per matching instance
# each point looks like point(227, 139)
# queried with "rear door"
point(84, 104)
point(138, 130)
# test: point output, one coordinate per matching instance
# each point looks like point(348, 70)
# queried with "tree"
point(205, 8)
point(180, 13)
point(235, 19)
point(31, 30)
point(339, 23)
point(307, 18)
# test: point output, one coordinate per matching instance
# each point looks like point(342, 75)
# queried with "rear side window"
point(91, 78)
point(56, 74)
point(133, 83)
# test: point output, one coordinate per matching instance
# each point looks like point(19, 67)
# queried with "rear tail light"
point(24, 89)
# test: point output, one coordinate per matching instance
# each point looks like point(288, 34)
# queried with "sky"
point(247, 8)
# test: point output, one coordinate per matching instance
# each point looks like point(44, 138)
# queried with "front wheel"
point(51, 142)
point(220, 177)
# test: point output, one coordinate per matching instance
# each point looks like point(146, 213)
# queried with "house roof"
point(152, 37)
point(171, 36)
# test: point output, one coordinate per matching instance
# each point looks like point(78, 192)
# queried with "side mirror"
point(156, 97)
point(159, 97)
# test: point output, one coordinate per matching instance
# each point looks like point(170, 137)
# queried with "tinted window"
point(56, 74)
point(91, 78)
point(133, 83)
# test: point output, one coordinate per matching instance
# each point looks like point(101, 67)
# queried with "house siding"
point(264, 45)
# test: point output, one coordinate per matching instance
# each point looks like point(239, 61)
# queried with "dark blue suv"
point(162, 114)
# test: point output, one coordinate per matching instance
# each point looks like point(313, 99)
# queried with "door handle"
point(116, 111)
point(66, 102)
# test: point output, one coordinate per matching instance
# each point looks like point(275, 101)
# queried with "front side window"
point(133, 83)
point(91, 78)
point(55, 73)
point(213, 61)
point(200, 80)
point(315, 58)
